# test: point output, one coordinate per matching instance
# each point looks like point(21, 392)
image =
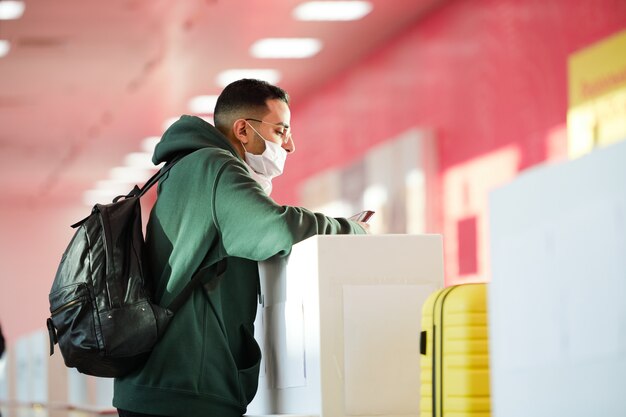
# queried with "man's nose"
point(289, 146)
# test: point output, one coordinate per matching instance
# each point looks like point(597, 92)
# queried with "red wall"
point(490, 76)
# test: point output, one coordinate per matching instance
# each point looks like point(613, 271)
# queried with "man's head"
point(248, 111)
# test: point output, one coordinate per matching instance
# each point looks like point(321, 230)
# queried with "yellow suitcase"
point(454, 345)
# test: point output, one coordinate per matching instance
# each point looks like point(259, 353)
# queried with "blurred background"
point(416, 109)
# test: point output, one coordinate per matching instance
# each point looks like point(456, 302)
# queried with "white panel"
point(104, 393)
point(23, 374)
point(39, 359)
point(296, 395)
point(381, 327)
point(556, 302)
point(31, 368)
point(78, 387)
point(285, 344)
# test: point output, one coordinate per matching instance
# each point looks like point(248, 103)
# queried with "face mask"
point(268, 165)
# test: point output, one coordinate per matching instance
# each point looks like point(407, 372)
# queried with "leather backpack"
point(102, 314)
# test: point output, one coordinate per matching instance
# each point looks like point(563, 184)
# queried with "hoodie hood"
point(186, 135)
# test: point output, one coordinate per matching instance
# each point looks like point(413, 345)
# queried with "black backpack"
point(102, 315)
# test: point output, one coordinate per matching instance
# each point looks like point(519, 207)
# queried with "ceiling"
point(85, 82)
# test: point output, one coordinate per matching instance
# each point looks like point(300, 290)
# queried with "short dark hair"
point(245, 98)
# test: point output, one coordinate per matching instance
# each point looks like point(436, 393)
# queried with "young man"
point(214, 205)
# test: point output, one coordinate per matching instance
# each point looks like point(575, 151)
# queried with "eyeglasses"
point(283, 132)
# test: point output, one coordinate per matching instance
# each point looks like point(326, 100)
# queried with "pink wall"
point(490, 76)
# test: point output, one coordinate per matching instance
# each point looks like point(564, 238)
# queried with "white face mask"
point(268, 165)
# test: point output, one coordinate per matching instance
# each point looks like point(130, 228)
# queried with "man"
point(214, 205)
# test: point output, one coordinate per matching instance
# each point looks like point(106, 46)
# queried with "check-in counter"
point(339, 325)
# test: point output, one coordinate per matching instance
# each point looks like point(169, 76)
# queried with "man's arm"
point(253, 226)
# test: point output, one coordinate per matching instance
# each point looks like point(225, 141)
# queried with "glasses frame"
point(286, 132)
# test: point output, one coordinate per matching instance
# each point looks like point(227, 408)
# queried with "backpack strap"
point(153, 180)
point(136, 191)
point(220, 268)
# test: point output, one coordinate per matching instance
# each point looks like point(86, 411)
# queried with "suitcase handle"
point(423, 340)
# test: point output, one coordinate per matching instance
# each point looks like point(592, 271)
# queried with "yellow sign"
point(597, 95)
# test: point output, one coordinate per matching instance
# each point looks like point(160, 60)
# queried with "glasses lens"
point(285, 132)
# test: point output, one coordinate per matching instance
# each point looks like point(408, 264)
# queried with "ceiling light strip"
point(11, 9)
point(5, 47)
point(332, 10)
point(288, 48)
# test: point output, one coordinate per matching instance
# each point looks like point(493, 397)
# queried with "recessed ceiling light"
point(202, 104)
point(286, 48)
point(5, 47)
point(332, 10)
point(224, 78)
point(10, 9)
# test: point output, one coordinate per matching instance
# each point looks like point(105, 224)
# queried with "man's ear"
point(240, 130)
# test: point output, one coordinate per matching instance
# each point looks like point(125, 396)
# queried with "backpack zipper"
point(66, 306)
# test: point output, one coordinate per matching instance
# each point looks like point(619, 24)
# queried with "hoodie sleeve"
point(253, 226)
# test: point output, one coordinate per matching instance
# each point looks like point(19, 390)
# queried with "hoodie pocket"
point(249, 376)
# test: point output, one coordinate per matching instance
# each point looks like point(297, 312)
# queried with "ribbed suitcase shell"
point(455, 379)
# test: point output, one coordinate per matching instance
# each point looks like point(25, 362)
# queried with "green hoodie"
point(209, 208)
